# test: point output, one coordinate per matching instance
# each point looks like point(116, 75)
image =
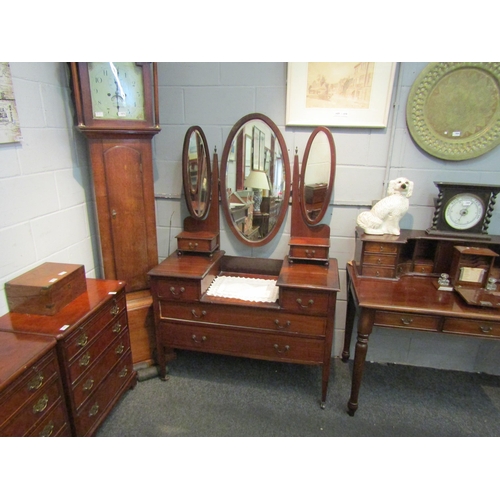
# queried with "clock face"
point(464, 211)
point(117, 91)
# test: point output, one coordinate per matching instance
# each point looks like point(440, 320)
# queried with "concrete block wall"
point(46, 208)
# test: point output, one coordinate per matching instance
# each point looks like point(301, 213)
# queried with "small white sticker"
point(65, 327)
point(456, 133)
point(62, 273)
point(122, 114)
point(52, 280)
point(111, 293)
point(98, 114)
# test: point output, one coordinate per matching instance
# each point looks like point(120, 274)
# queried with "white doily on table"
point(251, 289)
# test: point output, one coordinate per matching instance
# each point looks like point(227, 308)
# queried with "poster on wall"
point(10, 130)
point(339, 94)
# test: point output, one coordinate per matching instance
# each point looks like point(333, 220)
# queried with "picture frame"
point(337, 94)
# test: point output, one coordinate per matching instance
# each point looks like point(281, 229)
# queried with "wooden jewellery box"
point(46, 289)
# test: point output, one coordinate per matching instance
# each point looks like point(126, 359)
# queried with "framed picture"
point(339, 94)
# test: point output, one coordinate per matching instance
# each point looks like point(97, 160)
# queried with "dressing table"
point(196, 307)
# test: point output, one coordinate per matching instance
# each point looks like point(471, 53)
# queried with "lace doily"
point(251, 289)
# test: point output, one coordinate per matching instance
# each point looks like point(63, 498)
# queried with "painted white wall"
point(47, 206)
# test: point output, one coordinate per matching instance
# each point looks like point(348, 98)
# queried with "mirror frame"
point(331, 182)
point(186, 181)
point(286, 166)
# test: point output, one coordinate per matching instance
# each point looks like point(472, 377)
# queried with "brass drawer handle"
point(93, 411)
point(281, 351)
point(286, 325)
point(115, 310)
point(41, 404)
point(82, 340)
point(310, 252)
point(36, 382)
point(123, 373)
point(177, 294)
point(117, 328)
point(88, 384)
point(309, 303)
point(47, 430)
point(486, 329)
point(84, 360)
point(191, 245)
point(406, 321)
point(119, 349)
point(203, 313)
point(198, 341)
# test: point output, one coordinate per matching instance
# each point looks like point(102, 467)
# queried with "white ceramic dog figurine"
point(385, 215)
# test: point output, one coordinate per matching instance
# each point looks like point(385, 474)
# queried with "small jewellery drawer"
point(32, 382)
point(172, 289)
point(304, 252)
point(304, 301)
point(241, 343)
point(95, 408)
point(54, 424)
point(262, 319)
point(34, 409)
point(87, 356)
point(85, 333)
point(93, 377)
point(379, 247)
point(197, 244)
point(404, 320)
point(472, 327)
point(379, 259)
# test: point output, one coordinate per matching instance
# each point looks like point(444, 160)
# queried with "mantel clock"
point(463, 209)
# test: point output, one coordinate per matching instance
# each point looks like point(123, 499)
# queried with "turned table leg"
point(349, 322)
point(365, 325)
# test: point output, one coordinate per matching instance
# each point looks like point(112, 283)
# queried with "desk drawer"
point(379, 247)
point(246, 317)
point(378, 272)
point(240, 343)
point(404, 320)
point(472, 327)
point(379, 259)
point(176, 289)
point(304, 252)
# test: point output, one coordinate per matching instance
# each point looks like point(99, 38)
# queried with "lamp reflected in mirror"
point(259, 183)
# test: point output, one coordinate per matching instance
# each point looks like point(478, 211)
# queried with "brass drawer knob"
point(309, 303)
point(119, 349)
point(486, 328)
point(196, 340)
point(281, 351)
point(115, 310)
point(198, 316)
point(47, 430)
point(82, 340)
point(117, 328)
point(123, 372)
point(93, 411)
point(41, 404)
point(177, 293)
point(192, 245)
point(88, 384)
point(280, 326)
point(84, 360)
point(407, 321)
point(36, 382)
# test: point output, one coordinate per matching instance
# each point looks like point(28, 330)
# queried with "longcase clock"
point(117, 110)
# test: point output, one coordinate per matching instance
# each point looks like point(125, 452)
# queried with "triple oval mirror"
point(255, 178)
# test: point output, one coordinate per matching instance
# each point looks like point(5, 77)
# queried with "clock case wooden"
point(486, 193)
point(122, 170)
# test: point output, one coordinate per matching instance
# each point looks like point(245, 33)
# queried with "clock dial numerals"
point(464, 211)
point(117, 91)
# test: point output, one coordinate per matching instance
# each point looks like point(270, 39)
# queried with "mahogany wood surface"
point(411, 302)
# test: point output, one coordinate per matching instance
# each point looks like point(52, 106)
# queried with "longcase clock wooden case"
point(117, 110)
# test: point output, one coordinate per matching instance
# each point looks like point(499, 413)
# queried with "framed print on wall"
point(339, 94)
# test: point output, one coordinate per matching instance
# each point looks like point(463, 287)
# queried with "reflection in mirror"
point(317, 175)
point(255, 179)
point(196, 173)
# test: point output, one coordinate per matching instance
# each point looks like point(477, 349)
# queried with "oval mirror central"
point(196, 172)
point(255, 179)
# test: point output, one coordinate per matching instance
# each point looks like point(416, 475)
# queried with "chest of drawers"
point(297, 328)
point(93, 350)
point(31, 394)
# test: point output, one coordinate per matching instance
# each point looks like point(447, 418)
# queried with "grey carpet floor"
point(221, 396)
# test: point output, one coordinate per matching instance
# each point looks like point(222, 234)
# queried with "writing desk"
point(411, 302)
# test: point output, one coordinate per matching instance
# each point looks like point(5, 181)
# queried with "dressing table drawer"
point(472, 327)
point(222, 340)
point(304, 252)
point(304, 301)
point(178, 290)
point(407, 320)
point(245, 317)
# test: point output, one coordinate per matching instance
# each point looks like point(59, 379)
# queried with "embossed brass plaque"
point(453, 110)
